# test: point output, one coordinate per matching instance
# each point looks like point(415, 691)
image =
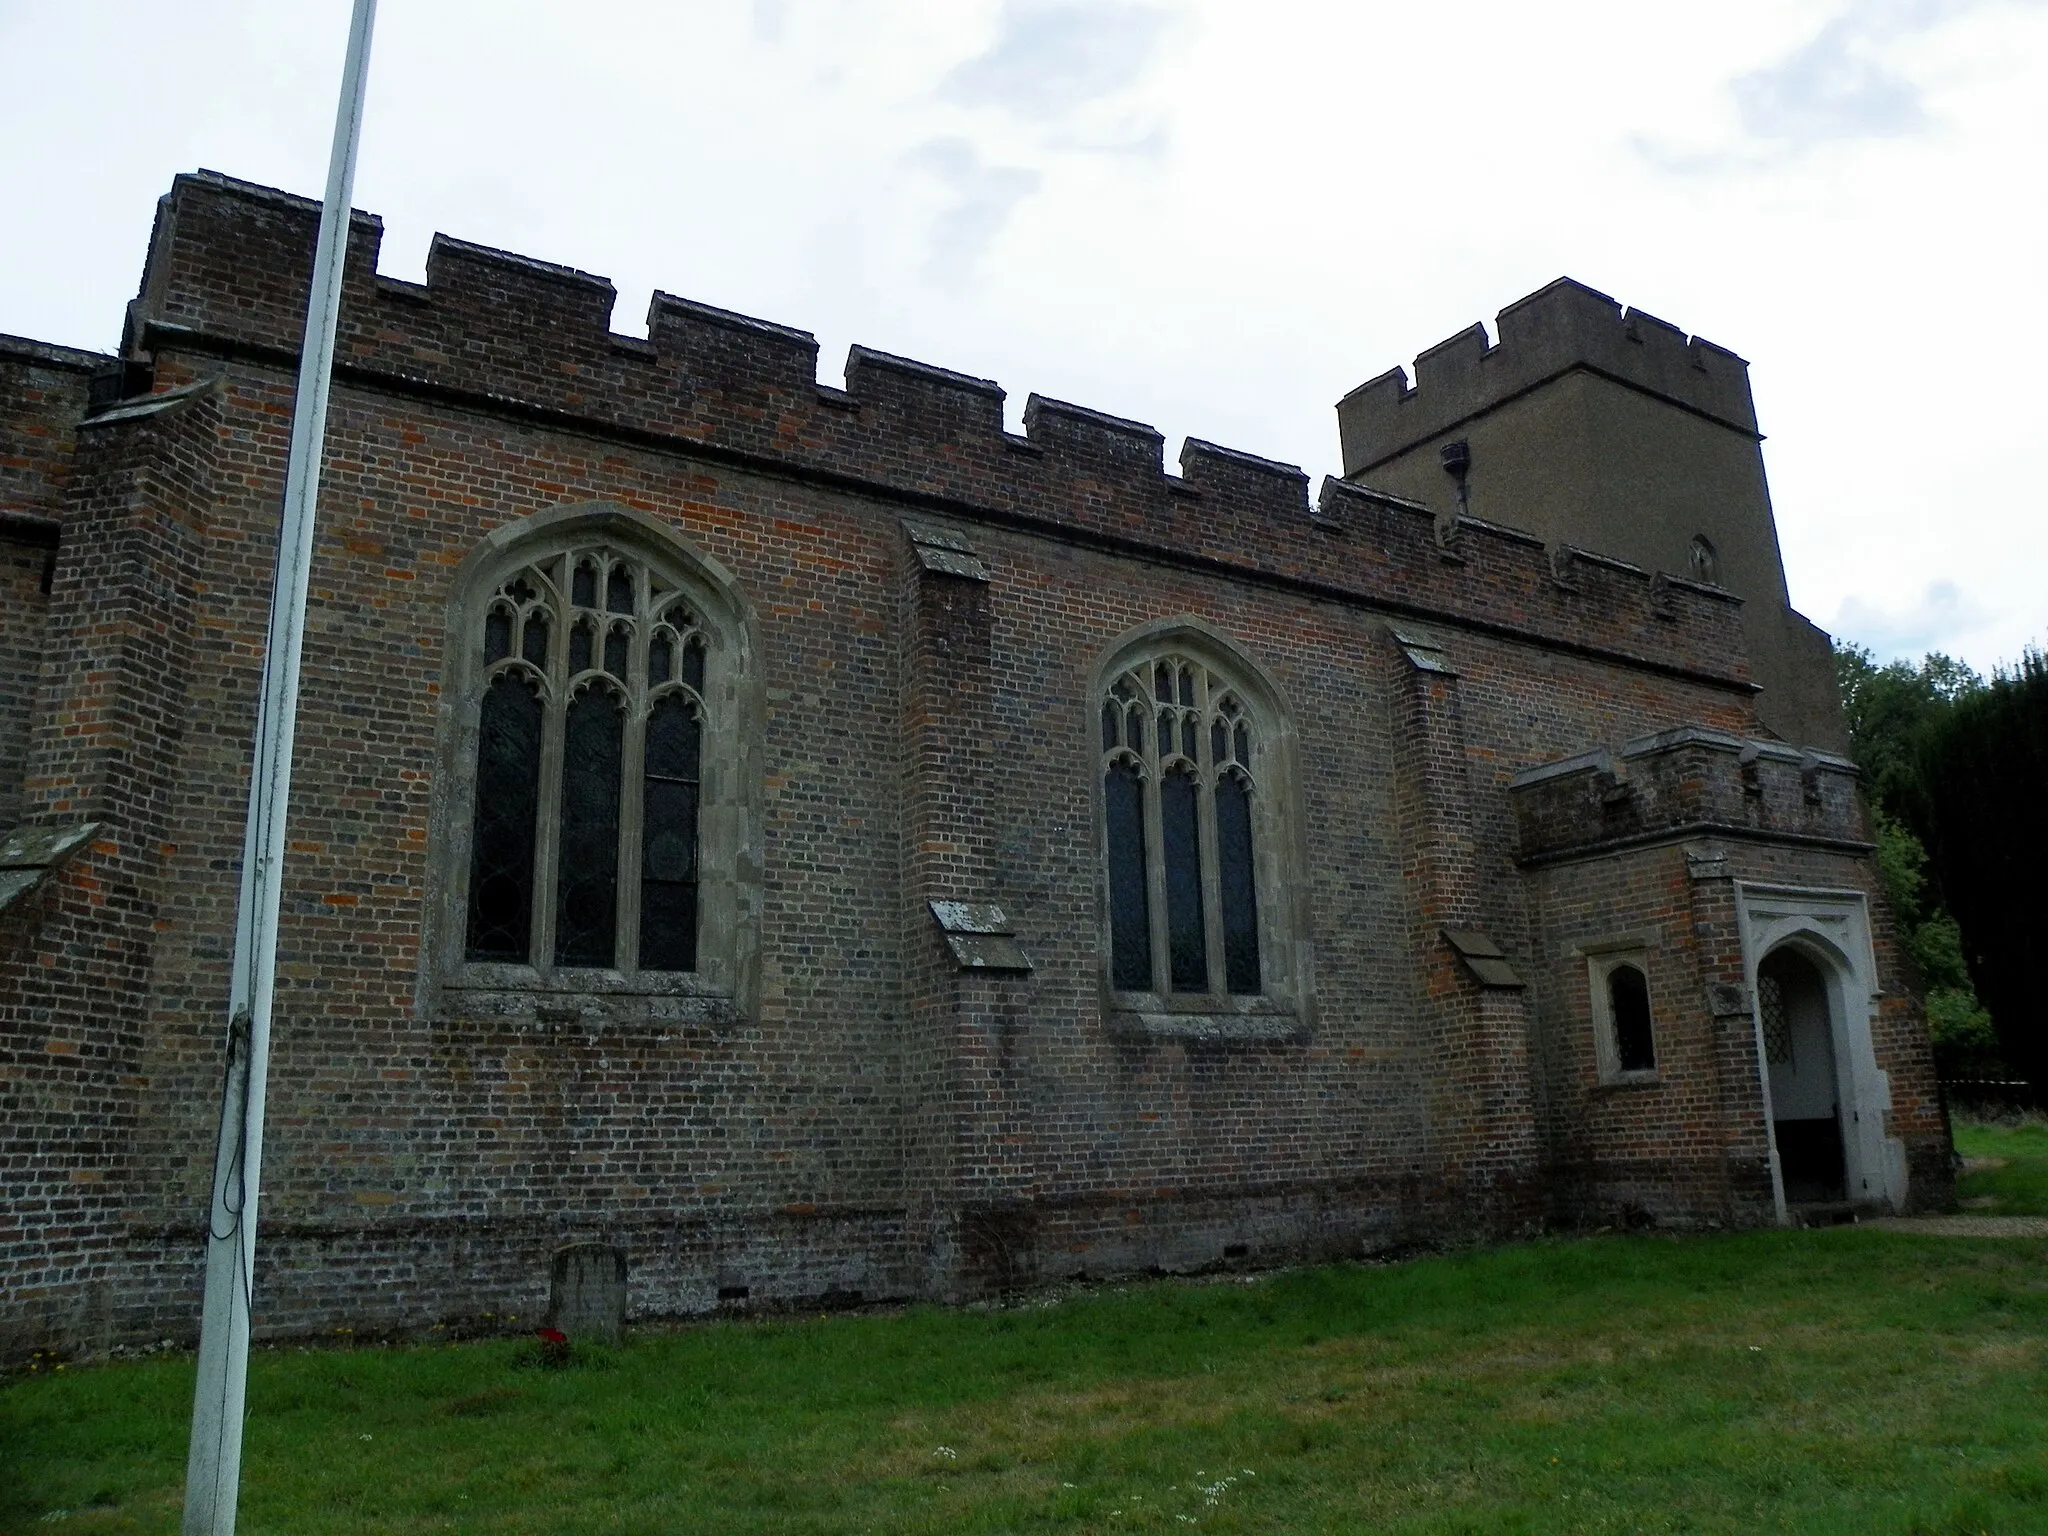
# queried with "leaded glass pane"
point(668, 861)
point(585, 589)
point(1628, 1000)
point(1134, 723)
point(617, 643)
point(1162, 683)
point(1165, 734)
point(693, 662)
point(503, 831)
point(533, 639)
point(1244, 745)
point(579, 649)
point(1187, 943)
point(1770, 1000)
point(1219, 742)
point(1130, 911)
point(659, 659)
point(586, 889)
point(1187, 687)
point(1187, 737)
point(618, 590)
point(1240, 892)
point(1109, 725)
point(497, 635)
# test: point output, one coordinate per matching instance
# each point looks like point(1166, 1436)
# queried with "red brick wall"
point(881, 1123)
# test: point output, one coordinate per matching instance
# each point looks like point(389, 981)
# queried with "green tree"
point(1895, 712)
point(1983, 767)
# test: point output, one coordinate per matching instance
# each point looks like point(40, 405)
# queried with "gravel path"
point(1964, 1226)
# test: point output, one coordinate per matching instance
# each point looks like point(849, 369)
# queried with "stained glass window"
point(502, 842)
point(555, 789)
point(1130, 908)
point(1182, 818)
point(1770, 1001)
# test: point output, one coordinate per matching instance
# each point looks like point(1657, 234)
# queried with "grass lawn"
point(2010, 1172)
point(1848, 1380)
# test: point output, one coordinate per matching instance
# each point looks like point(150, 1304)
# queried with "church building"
point(826, 848)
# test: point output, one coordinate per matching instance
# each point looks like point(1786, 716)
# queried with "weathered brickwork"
point(862, 1118)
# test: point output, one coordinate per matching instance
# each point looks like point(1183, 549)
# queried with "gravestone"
point(587, 1293)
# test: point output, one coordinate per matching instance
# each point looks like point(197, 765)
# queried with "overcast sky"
point(1212, 215)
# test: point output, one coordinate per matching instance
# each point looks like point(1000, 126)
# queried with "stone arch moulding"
point(1282, 1010)
point(726, 984)
point(1831, 928)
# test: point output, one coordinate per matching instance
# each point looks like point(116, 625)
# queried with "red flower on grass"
point(554, 1347)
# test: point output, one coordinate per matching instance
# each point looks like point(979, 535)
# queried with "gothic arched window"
point(1703, 560)
point(605, 672)
point(1193, 818)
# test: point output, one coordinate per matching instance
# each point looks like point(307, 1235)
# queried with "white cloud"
point(1939, 620)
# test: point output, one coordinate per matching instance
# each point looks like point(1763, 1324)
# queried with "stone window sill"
point(1626, 1080)
point(1241, 1021)
point(586, 1000)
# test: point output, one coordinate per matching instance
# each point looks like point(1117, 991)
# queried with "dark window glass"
point(586, 891)
point(579, 649)
point(693, 662)
point(1187, 687)
point(1162, 683)
point(502, 842)
point(1187, 944)
point(533, 640)
point(1244, 745)
point(658, 659)
point(1187, 737)
point(497, 635)
point(1628, 1002)
point(1109, 725)
point(1165, 734)
point(1240, 896)
point(616, 646)
point(618, 590)
point(520, 591)
point(1134, 723)
point(1130, 908)
point(1219, 742)
point(585, 589)
point(668, 861)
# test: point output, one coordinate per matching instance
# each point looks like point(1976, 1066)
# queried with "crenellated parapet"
point(1561, 327)
point(230, 264)
point(1686, 783)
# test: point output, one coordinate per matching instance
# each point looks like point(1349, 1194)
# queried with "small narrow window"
point(660, 657)
point(1110, 721)
point(1704, 560)
point(693, 663)
point(579, 647)
point(585, 586)
point(617, 643)
point(497, 635)
point(1628, 1003)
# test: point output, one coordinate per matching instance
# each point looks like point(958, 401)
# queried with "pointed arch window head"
point(1190, 817)
point(1703, 560)
point(585, 845)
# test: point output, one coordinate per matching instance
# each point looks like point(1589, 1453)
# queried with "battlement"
point(1557, 329)
point(230, 266)
point(1689, 782)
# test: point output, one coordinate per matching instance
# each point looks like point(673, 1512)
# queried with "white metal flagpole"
point(213, 1470)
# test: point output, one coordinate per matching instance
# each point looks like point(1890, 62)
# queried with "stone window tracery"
point(584, 844)
point(1183, 813)
point(597, 814)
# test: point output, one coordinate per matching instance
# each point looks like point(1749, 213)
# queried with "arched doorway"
point(1806, 1098)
